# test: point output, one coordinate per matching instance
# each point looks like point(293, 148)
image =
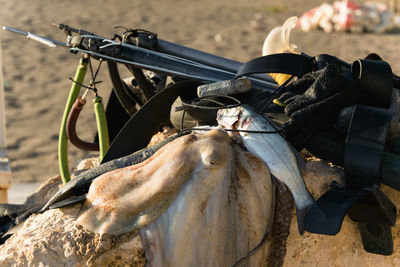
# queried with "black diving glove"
point(314, 101)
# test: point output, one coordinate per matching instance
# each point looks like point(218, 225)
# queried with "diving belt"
point(361, 197)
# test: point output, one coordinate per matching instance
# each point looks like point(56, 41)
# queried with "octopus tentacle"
point(280, 230)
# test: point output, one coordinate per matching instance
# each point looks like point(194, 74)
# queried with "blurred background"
point(36, 77)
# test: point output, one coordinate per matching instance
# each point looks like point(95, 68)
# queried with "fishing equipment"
point(277, 41)
point(71, 114)
point(71, 127)
point(102, 126)
point(188, 111)
point(159, 104)
point(228, 87)
point(304, 111)
point(314, 101)
point(133, 50)
point(100, 120)
point(311, 105)
point(62, 139)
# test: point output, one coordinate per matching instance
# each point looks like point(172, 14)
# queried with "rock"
point(165, 132)
point(45, 191)
point(88, 163)
point(54, 239)
point(318, 176)
point(345, 248)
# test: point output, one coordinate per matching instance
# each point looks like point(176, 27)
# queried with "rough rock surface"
point(345, 248)
point(53, 239)
point(164, 133)
point(45, 191)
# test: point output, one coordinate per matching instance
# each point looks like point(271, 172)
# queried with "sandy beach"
point(36, 77)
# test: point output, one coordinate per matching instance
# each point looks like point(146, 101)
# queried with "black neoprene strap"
point(287, 63)
point(138, 131)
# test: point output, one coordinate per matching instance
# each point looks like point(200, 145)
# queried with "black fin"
point(68, 202)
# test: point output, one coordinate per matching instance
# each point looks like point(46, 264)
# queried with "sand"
point(36, 77)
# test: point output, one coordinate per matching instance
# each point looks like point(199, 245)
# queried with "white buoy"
point(277, 41)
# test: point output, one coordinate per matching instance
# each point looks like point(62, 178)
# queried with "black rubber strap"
point(375, 79)
point(334, 205)
point(138, 131)
point(376, 238)
point(126, 100)
point(293, 64)
point(364, 146)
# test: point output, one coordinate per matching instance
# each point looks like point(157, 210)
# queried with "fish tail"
point(301, 214)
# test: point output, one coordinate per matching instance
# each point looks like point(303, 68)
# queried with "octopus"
point(201, 200)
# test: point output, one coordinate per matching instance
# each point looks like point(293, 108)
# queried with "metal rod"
point(208, 64)
point(176, 59)
point(36, 37)
point(144, 58)
point(15, 30)
point(205, 58)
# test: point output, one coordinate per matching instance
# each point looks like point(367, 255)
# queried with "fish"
point(275, 151)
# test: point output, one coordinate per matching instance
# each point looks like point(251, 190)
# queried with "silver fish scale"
point(278, 155)
point(273, 149)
